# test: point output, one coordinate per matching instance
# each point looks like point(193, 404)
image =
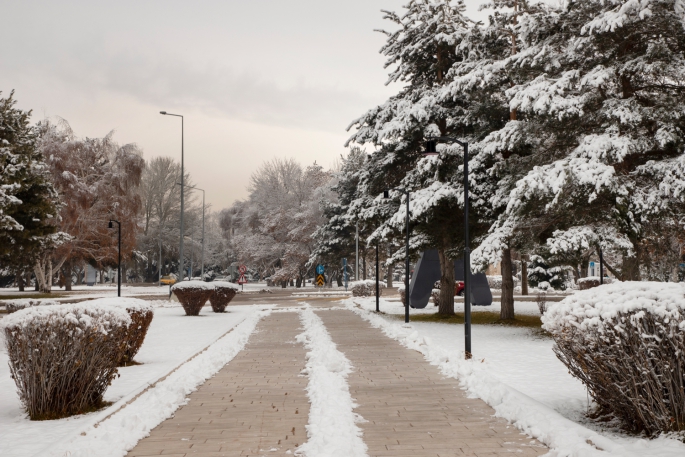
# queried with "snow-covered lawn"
point(172, 340)
point(515, 371)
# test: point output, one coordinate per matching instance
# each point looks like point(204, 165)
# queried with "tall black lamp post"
point(431, 150)
point(386, 194)
point(181, 263)
point(111, 225)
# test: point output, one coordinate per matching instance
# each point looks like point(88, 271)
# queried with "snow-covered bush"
point(588, 283)
point(495, 281)
point(435, 293)
point(63, 358)
point(141, 315)
point(542, 276)
point(15, 305)
point(365, 288)
point(626, 343)
point(223, 294)
point(193, 295)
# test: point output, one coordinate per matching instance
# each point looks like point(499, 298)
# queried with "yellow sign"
point(320, 280)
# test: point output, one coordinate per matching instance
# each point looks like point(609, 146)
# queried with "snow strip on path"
point(332, 428)
point(564, 437)
point(118, 434)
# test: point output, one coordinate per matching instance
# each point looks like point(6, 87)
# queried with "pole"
point(406, 269)
point(159, 269)
point(377, 279)
point(202, 268)
point(181, 262)
point(119, 266)
point(345, 272)
point(356, 256)
point(467, 257)
point(601, 267)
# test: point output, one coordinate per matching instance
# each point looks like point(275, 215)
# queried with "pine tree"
point(603, 109)
point(422, 49)
point(28, 201)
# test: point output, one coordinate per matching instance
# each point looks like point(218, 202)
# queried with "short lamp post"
point(111, 225)
point(431, 150)
point(386, 194)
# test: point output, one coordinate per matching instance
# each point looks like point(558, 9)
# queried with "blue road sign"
point(592, 264)
point(319, 269)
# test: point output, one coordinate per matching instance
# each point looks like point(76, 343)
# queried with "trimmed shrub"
point(13, 306)
point(365, 288)
point(588, 283)
point(193, 295)
point(626, 343)
point(141, 314)
point(222, 296)
point(435, 293)
point(63, 358)
point(403, 295)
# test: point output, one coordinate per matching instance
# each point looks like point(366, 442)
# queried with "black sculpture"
point(427, 271)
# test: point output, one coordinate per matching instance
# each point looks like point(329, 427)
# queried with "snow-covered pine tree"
point(605, 122)
point(422, 49)
point(28, 201)
point(501, 154)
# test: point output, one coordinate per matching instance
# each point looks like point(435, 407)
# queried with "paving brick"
point(256, 403)
point(410, 405)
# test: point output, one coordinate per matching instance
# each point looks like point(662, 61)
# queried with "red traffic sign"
point(242, 269)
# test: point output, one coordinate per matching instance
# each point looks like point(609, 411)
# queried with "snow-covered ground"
point(393, 305)
point(515, 371)
point(172, 340)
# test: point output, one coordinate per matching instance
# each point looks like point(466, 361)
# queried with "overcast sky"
point(254, 79)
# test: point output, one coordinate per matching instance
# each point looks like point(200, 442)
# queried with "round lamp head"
point(162, 112)
point(111, 225)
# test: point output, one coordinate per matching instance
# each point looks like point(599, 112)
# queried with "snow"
point(171, 341)
point(193, 285)
point(599, 306)
point(516, 372)
point(103, 316)
point(332, 428)
point(129, 303)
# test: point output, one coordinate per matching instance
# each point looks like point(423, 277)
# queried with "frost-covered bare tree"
point(272, 230)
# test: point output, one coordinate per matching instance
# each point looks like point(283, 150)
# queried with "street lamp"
point(386, 194)
point(202, 268)
point(431, 150)
point(111, 225)
point(377, 279)
point(181, 263)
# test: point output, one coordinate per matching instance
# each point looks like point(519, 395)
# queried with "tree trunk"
point(507, 300)
point(446, 307)
point(339, 279)
point(298, 284)
point(66, 273)
point(631, 265)
point(364, 265)
point(524, 274)
point(20, 281)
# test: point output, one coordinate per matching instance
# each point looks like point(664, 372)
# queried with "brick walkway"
point(254, 404)
point(411, 409)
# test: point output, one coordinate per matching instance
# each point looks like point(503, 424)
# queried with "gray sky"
point(254, 79)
